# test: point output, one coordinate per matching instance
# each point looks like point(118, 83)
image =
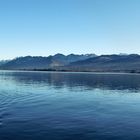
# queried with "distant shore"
point(53, 70)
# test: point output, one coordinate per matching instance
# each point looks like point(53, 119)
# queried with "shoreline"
point(66, 71)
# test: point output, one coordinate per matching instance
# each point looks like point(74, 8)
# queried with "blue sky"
point(44, 27)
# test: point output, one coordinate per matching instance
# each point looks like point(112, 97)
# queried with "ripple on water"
point(6, 101)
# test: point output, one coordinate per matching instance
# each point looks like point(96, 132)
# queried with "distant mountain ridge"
point(72, 62)
point(39, 62)
point(108, 63)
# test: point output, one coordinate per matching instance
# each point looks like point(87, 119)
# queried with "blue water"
point(69, 106)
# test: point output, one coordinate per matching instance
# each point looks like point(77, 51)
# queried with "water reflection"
point(31, 108)
point(86, 80)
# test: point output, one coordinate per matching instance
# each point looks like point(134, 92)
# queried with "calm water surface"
point(69, 106)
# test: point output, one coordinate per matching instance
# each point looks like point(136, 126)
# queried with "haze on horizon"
point(47, 27)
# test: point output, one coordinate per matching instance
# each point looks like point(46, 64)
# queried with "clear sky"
point(44, 27)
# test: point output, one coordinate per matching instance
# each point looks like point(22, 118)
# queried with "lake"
point(69, 106)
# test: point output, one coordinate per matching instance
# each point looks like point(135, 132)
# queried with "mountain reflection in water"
point(69, 106)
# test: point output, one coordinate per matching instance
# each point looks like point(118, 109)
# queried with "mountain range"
point(39, 62)
point(73, 62)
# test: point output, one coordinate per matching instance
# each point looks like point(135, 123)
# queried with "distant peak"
point(59, 54)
